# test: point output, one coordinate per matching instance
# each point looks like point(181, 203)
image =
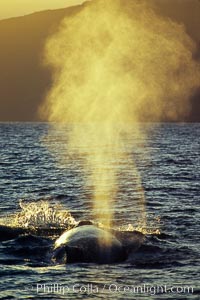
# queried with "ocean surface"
point(167, 266)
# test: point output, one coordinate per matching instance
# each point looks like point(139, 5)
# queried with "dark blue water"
point(167, 266)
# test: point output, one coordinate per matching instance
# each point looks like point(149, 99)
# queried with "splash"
point(40, 214)
point(116, 63)
point(153, 226)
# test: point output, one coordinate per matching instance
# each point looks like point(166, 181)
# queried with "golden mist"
point(116, 63)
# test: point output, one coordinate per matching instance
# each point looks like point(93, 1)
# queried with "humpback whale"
point(91, 244)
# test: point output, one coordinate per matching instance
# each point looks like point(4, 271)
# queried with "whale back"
point(88, 243)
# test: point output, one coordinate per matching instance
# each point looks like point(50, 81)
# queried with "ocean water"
point(167, 266)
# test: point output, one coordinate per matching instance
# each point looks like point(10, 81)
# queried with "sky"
point(14, 8)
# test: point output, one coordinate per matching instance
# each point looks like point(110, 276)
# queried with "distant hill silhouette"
point(24, 81)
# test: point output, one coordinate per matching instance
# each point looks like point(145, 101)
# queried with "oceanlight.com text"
point(112, 288)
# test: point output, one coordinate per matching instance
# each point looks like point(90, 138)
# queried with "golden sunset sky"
point(14, 8)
